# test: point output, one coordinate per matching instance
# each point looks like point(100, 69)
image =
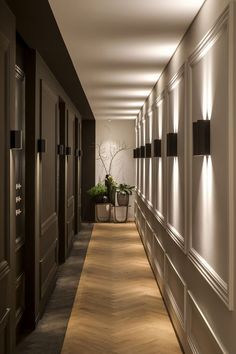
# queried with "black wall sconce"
point(138, 152)
point(16, 139)
point(42, 145)
point(157, 147)
point(201, 137)
point(60, 150)
point(68, 150)
point(148, 150)
point(142, 152)
point(77, 152)
point(172, 144)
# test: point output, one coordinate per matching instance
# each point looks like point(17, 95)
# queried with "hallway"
point(118, 307)
point(117, 111)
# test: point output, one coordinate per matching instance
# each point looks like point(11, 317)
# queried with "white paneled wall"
point(185, 204)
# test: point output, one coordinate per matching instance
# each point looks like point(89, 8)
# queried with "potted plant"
point(98, 193)
point(123, 193)
point(111, 188)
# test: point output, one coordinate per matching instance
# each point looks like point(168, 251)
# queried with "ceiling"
point(120, 47)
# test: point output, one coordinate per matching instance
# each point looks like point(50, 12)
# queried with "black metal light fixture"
point(142, 152)
point(16, 139)
point(201, 137)
point(77, 152)
point(60, 150)
point(172, 144)
point(157, 147)
point(138, 152)
point(42, 145)
point(148, 150)
point(68, 150)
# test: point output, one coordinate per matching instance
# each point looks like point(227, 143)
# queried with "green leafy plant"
point(111, 188)
point(98, 191)
point(125, 189)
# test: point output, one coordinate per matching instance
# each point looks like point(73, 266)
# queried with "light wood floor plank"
point(118, 308)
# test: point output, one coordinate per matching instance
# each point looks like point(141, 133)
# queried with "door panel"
point(70, 179)
point(19, 159)
point(77, 176)
point(49, 209)
point(7, 45)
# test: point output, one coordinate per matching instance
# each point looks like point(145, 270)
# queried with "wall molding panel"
point(158, 259)
point(176, 166)
point(200, 335)
point(176, 290)
point(204, 170)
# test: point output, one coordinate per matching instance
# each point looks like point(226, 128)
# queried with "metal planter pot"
point(122, 199)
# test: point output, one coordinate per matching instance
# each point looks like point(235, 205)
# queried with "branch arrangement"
point(109, 156)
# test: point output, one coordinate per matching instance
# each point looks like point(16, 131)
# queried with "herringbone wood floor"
point(118, 308)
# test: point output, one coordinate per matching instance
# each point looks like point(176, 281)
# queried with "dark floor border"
point(49, 335)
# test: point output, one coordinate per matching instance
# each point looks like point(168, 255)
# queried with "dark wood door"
point(48, 192)
point(19, 159)
point(70, 179)
point(77, 175)
point(7, 208)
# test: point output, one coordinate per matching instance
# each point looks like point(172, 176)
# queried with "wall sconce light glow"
point(176, 202)
point(160, 114)
point(176, 111)
point(160, 188)
point(207, 90)
point(150, 117)
point(206, 207)
point(150, 182)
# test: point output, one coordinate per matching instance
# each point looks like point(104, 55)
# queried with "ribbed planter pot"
point(122, 199)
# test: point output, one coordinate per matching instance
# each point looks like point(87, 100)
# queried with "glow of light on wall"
point(160, 112)
point(207, 90)
point(159, 187)
point(206, 206)
point(176, 194)
point(143, 173)
point(150, 181)
point(176, 111)
point(150, 127)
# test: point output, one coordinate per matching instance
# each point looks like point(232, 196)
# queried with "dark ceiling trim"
point(36, 24)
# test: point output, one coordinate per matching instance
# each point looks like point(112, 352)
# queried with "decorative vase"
point(122, 199)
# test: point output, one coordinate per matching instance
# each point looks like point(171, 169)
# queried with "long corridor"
point(118, 307)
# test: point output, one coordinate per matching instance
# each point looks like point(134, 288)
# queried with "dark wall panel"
point(36, 24)
point(88, 168)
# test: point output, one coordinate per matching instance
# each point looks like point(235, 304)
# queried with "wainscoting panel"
point(158, 261)
point(148, 241)
point(201, 338)
point(176, 290)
